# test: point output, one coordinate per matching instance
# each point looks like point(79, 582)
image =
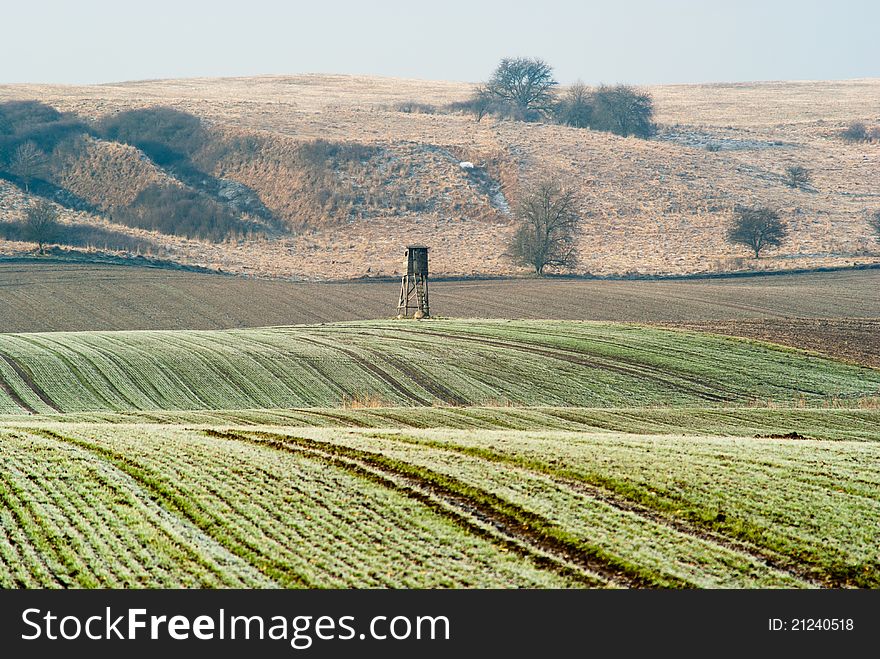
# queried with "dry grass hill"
point(379, 177)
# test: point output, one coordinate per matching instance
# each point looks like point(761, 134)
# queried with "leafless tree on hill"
point(550, 223)
point(41, 224)
point(481, 103)
point(623, 110)
point(526, 83)
point(28, 163)
point(576, 107)
point(756, 228)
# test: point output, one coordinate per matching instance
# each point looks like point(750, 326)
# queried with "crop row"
point(69, 520)
point(436, 363)
point(292, 519)
point(149, 505)
point(779, 423)
point(816, 503)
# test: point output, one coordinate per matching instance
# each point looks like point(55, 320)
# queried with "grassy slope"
point(432, 363)
point(653, 206)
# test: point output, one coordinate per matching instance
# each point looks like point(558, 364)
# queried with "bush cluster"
point(524, 89)
point(166, 135)
point(182, 212)
point(859, 132)
point(33, 121)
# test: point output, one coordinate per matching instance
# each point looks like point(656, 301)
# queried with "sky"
point(631, 41)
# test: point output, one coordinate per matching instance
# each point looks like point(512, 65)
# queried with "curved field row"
point(771, 423)
point(71, 521)
point(430, 363)
point(291, 520)
point(110, 505)
point(813, 504)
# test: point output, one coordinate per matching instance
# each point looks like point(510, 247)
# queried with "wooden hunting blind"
point(414, 284)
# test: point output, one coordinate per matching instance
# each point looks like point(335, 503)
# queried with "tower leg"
point(413, 295)
point(402, 302)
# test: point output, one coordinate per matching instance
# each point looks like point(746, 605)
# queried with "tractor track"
point(615, 500)
point(515, 528)
point(29, 381)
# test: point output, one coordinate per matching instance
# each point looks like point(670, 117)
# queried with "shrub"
point(797, 177)
point(624, 111)
point(479, 104)
point(874, 223)
point(414, 107)
point(324, 153)
point(855, 132)
point(576, 107)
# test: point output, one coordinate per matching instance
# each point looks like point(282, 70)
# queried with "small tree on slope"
point(41, 224)
point(549, 226)
point(756, 228)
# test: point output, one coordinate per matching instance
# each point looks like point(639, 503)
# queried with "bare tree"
point(480, 103)
point(797, 177)
point(526, 83)
point(576, 107)
point(28, 163)
point(623, 110)
point(756, 228)
point(550, 224)
point(41, 224)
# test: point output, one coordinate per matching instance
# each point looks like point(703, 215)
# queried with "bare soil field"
point(854, 339)
point(835, 313)
point(651, 206)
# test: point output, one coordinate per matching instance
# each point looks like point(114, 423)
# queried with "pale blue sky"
point(635, 41)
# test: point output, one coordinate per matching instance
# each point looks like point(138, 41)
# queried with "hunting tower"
point(414, 284)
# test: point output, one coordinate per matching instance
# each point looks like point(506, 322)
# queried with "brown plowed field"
point(853, 339)
point(837, 313)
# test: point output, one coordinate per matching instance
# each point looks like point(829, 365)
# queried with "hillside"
point(383, 178)
point(373, 364)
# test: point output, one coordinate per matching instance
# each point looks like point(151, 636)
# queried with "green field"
point(435, 454)
point(456, 363)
